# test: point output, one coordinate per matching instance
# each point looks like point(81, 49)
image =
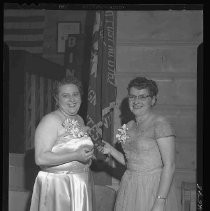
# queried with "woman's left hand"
point(159, 205)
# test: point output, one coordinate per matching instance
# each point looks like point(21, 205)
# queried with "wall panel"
point(158, 58)
point(156, 26)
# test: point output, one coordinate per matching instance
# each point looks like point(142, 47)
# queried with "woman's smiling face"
point(69, 98)
point(140, 101)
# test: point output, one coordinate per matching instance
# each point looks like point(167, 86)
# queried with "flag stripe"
point(35, 50)
point(23, 12)
point(24, 19)
point(23, 31)
point(19, 38)
point(25, 43)
point(24, 25)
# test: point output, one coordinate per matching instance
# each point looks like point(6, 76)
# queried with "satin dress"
point(140, 182)
point(66, 187)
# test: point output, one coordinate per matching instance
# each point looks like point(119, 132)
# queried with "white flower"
point(122, 134)
point(72, 127)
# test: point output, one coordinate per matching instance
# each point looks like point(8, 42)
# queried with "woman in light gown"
point(63, 150)
point(149, 146)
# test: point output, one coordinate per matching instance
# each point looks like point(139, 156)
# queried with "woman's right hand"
point(85, 154)
point(106, 149)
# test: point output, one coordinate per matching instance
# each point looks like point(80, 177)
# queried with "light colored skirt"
point(138, 191)
point(63, 191)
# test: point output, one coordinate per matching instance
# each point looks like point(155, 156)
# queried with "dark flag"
point(102, 89)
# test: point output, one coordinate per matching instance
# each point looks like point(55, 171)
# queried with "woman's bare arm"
point(45, 137)
point(167, 150)
point(108, 149)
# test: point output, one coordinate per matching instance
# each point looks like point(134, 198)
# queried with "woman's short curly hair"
point(67, 80)
point(144, 83)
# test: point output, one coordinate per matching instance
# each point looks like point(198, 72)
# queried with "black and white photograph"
point(104, 107)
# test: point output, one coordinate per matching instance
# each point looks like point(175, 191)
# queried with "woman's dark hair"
point(144, 83)
point(64, 81)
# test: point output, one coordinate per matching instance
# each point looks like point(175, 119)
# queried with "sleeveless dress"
point(66, 187)
point(139, 184)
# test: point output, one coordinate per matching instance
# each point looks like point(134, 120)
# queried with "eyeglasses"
point(140, 97)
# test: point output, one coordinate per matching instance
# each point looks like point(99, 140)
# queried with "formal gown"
point(139, 184)
point(66, 187)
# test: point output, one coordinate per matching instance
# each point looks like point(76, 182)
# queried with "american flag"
point(24, 29)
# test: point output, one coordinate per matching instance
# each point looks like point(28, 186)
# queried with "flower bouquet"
point(122, 135)
point(73, 128)
point(76, 134)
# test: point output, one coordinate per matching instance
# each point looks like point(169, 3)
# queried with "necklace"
point(66, 115)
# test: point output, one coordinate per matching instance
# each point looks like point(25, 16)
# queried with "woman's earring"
point(154, 100)
point(56, 103)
